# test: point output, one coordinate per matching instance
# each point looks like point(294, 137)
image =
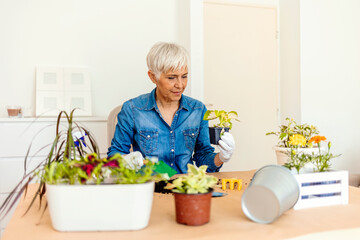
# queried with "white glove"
point(154, 159)
point(226, 147)
point(134, 160)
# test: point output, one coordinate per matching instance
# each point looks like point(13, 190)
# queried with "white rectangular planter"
point(322, 189)
point(108, 207)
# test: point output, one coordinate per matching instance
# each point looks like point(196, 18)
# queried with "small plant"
point(293, 134)
point(223, 117)
point(196, 181)
point(320, 160)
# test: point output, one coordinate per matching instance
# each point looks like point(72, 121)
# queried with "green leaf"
point(192, 169)
point(209, 115)
point(283, 135)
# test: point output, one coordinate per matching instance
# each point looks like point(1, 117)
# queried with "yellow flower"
point(297, 139)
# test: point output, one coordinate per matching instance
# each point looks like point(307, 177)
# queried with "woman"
point(165, 123)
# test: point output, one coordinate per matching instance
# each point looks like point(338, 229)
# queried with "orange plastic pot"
point(193, 209)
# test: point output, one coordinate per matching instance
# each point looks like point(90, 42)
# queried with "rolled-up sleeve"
point(204, 152)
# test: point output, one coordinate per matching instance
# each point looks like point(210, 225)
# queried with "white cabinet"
point(16, 135)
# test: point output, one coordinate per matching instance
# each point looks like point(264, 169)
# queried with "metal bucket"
point(272, 191)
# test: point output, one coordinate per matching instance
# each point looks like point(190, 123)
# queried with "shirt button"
point(172, 150)
point(148, 136)
point(192, 134)
point(172, 164)
point(171, 131)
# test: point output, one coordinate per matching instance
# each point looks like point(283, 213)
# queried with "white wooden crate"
point(322, 189)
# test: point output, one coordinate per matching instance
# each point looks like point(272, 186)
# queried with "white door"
point(241, 74)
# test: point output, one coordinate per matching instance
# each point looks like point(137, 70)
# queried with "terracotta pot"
point(14, 111)
point(214, 133)
point(193, 209)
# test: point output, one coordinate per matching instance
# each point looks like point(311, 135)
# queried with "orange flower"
point(317, 139)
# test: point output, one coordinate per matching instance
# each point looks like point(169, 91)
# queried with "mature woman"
point(165, 123)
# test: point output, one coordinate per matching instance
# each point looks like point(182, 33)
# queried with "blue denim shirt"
point(141, 125)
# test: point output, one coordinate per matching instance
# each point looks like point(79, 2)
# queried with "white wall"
point(330, 74)
point(250, 2)
point(289, 41)
point(111, 37)
point(320, 74)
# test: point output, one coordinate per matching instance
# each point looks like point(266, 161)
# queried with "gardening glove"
point(226, 147)
point(154, 159)
point(134, 160)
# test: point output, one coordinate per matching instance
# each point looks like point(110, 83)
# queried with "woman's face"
point(170, 85)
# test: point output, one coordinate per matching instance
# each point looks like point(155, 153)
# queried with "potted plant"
point(319, 160)
point(299, 149)
point(85, 192)
point(98, 194)
point(224, 124)
point(192, 193)
point(293, 136)
point(319, 184)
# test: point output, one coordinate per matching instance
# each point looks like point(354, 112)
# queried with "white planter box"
point(322, 189)
point(109, 207)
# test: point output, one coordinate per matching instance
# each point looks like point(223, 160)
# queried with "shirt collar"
point(152, 102)
point(184, 103)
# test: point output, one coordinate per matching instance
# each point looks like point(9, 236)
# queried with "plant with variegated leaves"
point(196, 181)
point(292, 134)
point(94, 170)
point(224, 117)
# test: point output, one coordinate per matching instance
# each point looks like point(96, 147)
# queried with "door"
point(241, 74)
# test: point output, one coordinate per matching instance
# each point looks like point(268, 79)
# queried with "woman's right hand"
point(134, 160)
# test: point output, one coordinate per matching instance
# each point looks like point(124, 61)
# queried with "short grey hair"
point(164, 57)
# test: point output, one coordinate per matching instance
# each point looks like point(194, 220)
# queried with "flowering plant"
point(320, 160)
point(93, 170)
point(293, 134)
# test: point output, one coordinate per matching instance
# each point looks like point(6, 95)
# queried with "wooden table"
point(227, 220)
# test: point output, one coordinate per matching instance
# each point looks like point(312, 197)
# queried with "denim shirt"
point(141, 125)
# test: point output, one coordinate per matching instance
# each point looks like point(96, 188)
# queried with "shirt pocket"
point(148, 140)
point(190, 136)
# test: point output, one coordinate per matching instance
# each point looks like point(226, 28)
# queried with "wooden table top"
point(227, 220)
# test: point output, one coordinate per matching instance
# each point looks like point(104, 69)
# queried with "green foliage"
point(223, 117)
point(292, 128)
point(320, 160)
point(93, 170)
point(196, 181)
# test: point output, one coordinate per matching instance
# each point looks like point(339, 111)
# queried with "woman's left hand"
point(226, 147)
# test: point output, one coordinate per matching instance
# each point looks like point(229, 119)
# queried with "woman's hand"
point(226, 147)
point(134, 160)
